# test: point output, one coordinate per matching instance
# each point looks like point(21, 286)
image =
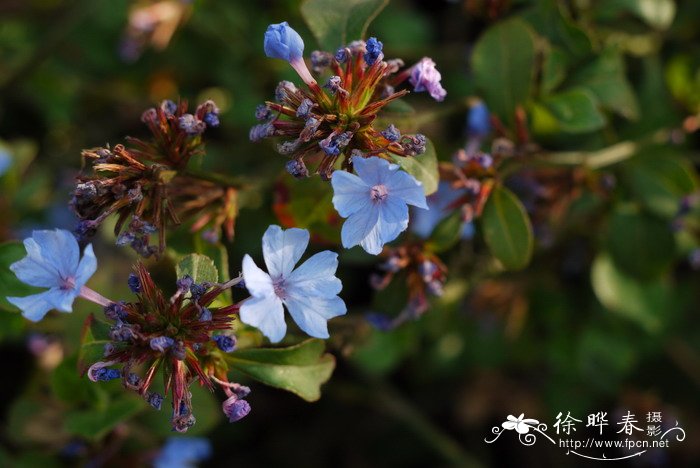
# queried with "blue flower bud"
point(161, 343)
point(305, 108)
point(205, 315)
point(155, 400)
point(168, 107)
point(225, 343)
point(263, 113)
point(283, 42)
point(297, 168)
point(104, 374)
point(392, 133)
point(235, 409)
point(478, 120)
point(134, 283)
point(211, 119)
point(374, 50)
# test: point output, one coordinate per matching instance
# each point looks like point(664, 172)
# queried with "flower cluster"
point(147, 185)
point(424, 274)
point(183, 335)
point(328, 123)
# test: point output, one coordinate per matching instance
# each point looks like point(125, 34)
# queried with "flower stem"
point(93, 296)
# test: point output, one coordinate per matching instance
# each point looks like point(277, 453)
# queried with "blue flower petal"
point(257, 282)
point(266, 314)
point(86, 267)
point(33, 307)
point(404, 186)
point(359, 225)
point(282, 249)
point(374, 170)
point(60, 249)
point(34, 270)
point(283, 42)
point(348, 192)
point(316, 276)
point(312, 313)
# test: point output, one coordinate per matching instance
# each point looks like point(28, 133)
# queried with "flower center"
point(67, 283)
point(378, 193)
point(279, 287)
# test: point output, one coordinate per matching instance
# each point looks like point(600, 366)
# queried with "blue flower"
point(310, 292)
point(183, 452)
point(283, 42)
point(374, 50)
point(53, 261)
point(478, 120)
point(375, 202)
point(425, 77)
point(5, 161)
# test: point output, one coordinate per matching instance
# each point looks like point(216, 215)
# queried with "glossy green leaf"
point(605, 78)
point(548, 19)
point(640, 244)
point(336, 24)
point(554, 69)
point(507, 229)
point(659, 178)
point(447, 232)
point(93, 424)
point(10, 252)
point(94, 336)
point(503, 62)
point(424, 167)
point(641, 302)
point(576, 111)
point(200, 267)
point(300, 369)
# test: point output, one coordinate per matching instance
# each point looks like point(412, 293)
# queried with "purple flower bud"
point(211, 119)
point(235, 409)
point(191, 125)
point(310, 128)
point(392, 133)
point(168, 107)
point(133, 380)
point(297, 168)
point(198, 290)
point(478, 120)
point(288, 147)
point(115, 311)
point(283, 42)
point(263, 113)
point(97, 373)
point(134, 283)
point(374, 50)
point(184, 284)
point(205, 315)
point(380, 321)
point(425, 77)
point(178, 351)
point(259, 132)
point(108, 349)
point(121, 332)
point(342, 55)
point(154, 399)
point(161, 343)
point(284, 90)
point(333, 85)
point(149, 115)
point(320, 60)
point(304, 108)
point(414, 145)
point(225, 343)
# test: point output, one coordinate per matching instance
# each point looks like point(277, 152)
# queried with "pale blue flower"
point(283, 42)
point(375, 202)
point(53, 261)
point(183, 452)
point(310, 292)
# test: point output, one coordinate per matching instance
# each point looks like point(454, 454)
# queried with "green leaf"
point(200, 267)
point(424, 167)
point(503, 62)
point(605, 78)
point(641, 245)
point(554, 69)
point(642, 302)
point(335, 24)
point(94, 424)
point(659, 178)
point(10, 252)
point(447, 232)
point(576, 111)
point(507, 229)
point(69, 386)
point(658, 14)
point(307, 204)
point(94, 336)
point(300, 369)
point(547, 18)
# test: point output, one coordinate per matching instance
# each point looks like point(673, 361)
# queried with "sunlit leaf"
point(336, 24)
